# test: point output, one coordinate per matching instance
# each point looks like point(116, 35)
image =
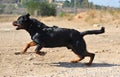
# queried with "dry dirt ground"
point(56, 63)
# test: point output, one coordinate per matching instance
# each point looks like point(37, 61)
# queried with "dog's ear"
point(28, 15)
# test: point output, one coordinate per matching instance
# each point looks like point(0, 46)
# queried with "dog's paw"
point(17, 53)
point(41, 53)
point(88, 64)
point(103, 29)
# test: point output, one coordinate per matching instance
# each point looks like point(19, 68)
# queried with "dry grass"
point(90, 17)
point(99, 16)
point(7, 18)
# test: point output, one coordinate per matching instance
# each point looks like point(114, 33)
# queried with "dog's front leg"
point(28, 46)
point(38, 48)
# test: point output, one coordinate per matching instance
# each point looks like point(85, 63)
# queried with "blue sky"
point(112, 3)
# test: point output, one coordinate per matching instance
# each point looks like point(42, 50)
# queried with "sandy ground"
point(56, 63)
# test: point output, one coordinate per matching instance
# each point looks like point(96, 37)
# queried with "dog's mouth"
point(18, 25)
point(15, 23)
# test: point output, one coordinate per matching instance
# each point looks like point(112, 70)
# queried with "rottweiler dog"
point(49, 37)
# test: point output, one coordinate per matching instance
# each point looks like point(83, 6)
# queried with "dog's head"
point(22, 22)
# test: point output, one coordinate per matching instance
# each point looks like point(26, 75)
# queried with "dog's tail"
point(89, 32)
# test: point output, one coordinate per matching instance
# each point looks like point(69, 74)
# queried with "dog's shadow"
point(75, 65)
point(70, 65)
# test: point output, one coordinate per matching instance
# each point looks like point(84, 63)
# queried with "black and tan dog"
point(44, 36)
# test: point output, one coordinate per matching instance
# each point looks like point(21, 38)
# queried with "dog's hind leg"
point(28, 46)
point(77, 52)
point(38, 48)
point(79, 48)
point(91, 55)
point(77, 60)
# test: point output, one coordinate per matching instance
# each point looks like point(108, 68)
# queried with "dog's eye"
point(20, 22)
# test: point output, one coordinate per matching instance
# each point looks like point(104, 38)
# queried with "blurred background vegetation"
point(80, 10)
point(49, 7)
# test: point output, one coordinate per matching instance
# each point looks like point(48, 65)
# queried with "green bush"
point(31, 6)
point(62, 14)
point(42, 8)
point(47, 9)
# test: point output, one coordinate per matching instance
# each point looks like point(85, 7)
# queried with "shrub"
point(31, 6)
point(42, 8)
point(47, 9)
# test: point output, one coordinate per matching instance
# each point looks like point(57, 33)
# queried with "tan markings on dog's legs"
point(28, 46)
point(77, 60)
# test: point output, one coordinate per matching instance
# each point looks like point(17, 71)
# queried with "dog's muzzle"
point(15, 23)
